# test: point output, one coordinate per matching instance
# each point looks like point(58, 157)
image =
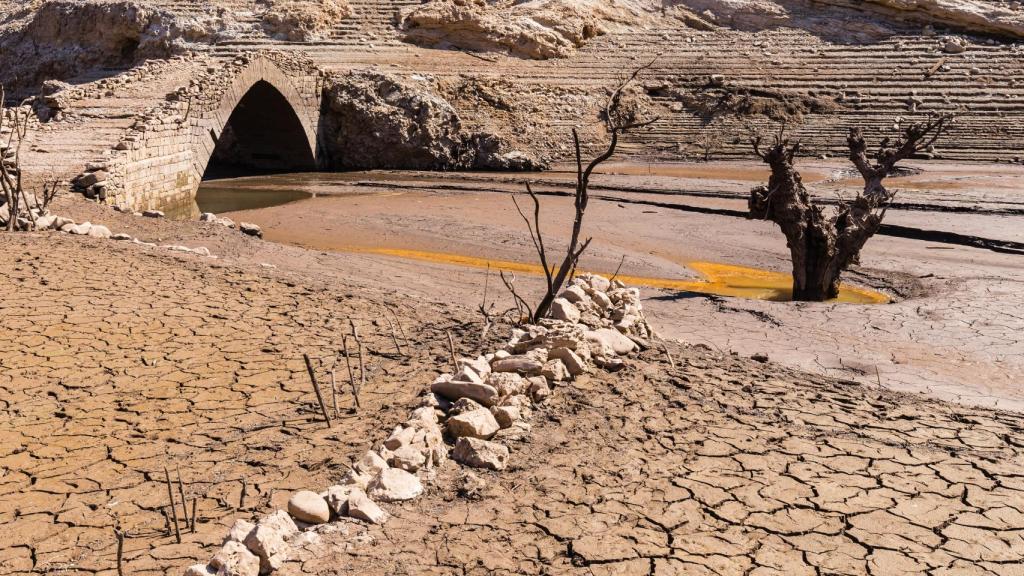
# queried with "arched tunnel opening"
point(263, 136)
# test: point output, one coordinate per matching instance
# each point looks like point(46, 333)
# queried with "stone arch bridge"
point(259, 111)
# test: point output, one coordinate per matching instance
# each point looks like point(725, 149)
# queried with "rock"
point(555, 371)
point(200, 570)
point(601, 299)
point(337, 497)
point(121, 236)
point(480, 454)
point(309, 507)
point(90, 178)
point(573, 363)
point(759, 357)
point(574, 294)
point(954, 46)
point(562, 309)
point(613, 339)
point(97, 231)
point(269, 540)
point(371, 463)
point(467, 374)
point(505, 416)
point(519, 364)
point(507, 383)
point(239, 530)
point(250, 229)
point(152, 213)
point(362, 508)
point(207, 217)
point(453, 390)
point(408, 458)
point(77, 229)
point(201, 250)
point(45, 222)
point(481, 366)
point(234, 559)
point(598, 283)
point(475, 424)
point(539, 389)
point(393, 485)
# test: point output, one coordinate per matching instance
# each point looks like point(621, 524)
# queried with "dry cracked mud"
point(121, 360)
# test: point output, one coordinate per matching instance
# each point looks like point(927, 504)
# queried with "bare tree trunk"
point(823, 245)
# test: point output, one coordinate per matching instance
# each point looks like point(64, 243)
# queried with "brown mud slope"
point(117, 360)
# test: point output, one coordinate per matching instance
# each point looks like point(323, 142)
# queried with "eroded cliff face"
point(58, 39)
point(536, 29)
point(859, 20)
point(379, 120)
point(999, 17)
point(303, 20)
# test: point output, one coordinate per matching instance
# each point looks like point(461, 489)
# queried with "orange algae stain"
point(718, 279)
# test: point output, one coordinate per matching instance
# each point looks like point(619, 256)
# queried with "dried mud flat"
point(121, 360)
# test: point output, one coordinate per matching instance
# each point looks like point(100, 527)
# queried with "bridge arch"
point(254, 112)
point(261, 121)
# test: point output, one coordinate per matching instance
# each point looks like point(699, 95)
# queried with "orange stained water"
point(718, 279)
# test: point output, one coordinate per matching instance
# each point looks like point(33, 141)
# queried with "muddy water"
point(331, 208)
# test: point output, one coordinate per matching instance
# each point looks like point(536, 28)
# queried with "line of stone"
point(594, 323)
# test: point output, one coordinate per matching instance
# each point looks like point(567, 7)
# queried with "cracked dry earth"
point(724, 466)
point(117, 361)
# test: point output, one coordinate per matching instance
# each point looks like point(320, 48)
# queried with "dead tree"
point(825, 243)
point(17, 202)
point(619, 117)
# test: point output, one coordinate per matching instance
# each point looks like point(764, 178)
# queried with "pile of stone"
point(469, 416)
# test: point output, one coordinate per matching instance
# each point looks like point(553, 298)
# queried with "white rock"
point(337, 497)
point(371, 463)
point(239, 530)
point(480, 454)
point(562, 309)
point(200, 570)
point(97, 231)
point(234, 559)
point(520, 364)
point(468, 374)
point(394, 485)
point(601, 299)
point(400, 436)
point(269, 540)
point(555, 371)
point(507, 383)
point(45, 222)
point(506, 415)
point(478, 423)
point(309, 507)
point(408, 458)
point(454, 389)
point(362, 508)
point(599, 283)
point(539, 389)
point(573, 363)
point(618, 342)
point(574, 294)
point(480, 365)
point(78, 229)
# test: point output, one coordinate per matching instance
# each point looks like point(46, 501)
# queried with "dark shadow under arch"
point(263, 135)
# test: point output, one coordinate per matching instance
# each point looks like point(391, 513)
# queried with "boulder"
point(362, 508)
point(90, 178)
point(394, 485)
point(234, 559)
point(507, 383)
point(408, 458)
point(481, 454)
point(269, 540)
point(574, 294)
point(476, 391)
point(475, 424)
point(45, 222)
point(309, 507)
point(539, 389)
point(562, 309)
point(337, 497)
point(555, 371)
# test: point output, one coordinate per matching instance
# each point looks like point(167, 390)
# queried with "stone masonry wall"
point(161, 160)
